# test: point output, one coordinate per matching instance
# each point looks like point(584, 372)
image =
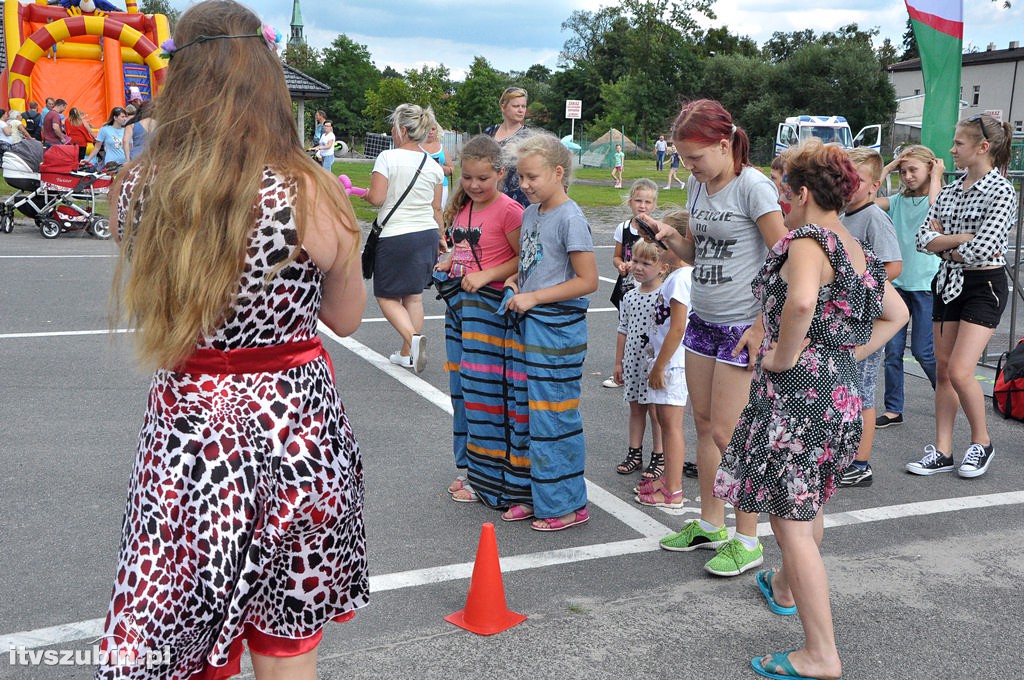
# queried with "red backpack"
point(1008, 393)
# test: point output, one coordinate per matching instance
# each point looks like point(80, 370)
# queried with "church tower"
point(296, 38)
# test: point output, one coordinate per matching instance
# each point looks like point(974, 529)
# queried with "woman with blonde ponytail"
point(244, 513)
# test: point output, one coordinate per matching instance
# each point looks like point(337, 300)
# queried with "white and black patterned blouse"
point(987, 209)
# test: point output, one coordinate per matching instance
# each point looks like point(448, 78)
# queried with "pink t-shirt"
point(481, 236)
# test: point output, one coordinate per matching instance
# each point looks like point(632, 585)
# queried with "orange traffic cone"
point(486, 612)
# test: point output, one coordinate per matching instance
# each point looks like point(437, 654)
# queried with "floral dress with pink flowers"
point(802, 426)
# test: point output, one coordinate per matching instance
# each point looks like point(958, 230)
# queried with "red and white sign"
point(574, 109)
point(995, 113)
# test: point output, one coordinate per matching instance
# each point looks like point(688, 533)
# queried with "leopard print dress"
point(245, 502)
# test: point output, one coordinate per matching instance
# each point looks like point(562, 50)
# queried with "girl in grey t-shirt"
point(734, 218)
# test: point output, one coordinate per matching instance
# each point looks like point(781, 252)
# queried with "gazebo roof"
point(301, 86)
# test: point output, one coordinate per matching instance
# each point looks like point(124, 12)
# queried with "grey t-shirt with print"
point(546, 239)
point(729, 247)
point(873, 226)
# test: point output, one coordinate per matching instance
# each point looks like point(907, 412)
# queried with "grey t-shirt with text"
point(729, 247)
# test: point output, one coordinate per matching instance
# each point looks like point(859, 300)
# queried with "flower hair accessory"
point(269, 34)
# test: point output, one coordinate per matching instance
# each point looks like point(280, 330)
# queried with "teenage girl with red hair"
point(734, 220)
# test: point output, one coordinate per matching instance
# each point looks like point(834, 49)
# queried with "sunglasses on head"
point(977, 118)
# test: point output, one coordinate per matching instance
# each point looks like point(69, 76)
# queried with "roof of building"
point(302, 86)
point(968, 59)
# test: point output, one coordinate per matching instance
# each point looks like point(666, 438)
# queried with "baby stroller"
point(70, 194)
point(21, 171)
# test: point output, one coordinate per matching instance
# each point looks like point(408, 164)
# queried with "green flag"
point(939, 30)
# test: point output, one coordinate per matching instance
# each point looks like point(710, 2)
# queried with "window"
point(917, 91)
point(977, 95)
point(1018, 127)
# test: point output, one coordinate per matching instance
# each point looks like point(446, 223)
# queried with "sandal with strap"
point(656, 468)
point(517, 513)
point(466, 494)
point(669, 499)
point(634, 461)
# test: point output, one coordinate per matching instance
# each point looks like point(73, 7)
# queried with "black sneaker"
point(854, 476)
point(934, 461)
point(883, 421)
point(976, 460)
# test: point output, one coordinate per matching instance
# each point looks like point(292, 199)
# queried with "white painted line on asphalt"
point(52, 257)
point(44, 637)
point(58, 334)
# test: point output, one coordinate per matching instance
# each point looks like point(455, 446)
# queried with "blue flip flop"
point(779, 661)
point(764, 583)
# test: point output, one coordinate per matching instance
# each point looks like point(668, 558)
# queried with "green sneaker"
point(733, 559)
point(692, 536)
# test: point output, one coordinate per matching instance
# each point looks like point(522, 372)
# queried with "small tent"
point(601, 152)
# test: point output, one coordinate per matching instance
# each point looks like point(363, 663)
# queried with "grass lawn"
point(586, 191)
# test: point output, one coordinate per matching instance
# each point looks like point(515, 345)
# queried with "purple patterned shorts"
point(714, 340)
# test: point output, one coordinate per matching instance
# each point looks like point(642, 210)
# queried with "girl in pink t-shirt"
point(484, 223)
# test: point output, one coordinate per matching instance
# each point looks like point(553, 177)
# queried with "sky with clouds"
point(407, 34)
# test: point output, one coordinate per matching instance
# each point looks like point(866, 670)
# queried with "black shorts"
point(981, 302)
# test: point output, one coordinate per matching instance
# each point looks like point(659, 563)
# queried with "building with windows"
point(990, 82)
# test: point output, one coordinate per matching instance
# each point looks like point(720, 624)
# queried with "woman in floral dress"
point(822, 299)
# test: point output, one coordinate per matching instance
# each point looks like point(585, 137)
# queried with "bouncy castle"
point(80, 53)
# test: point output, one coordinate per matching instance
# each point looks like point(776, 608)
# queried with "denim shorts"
point(981, 302)
point(868, 370)
point(715, 340)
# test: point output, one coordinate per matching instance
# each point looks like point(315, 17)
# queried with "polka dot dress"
point(802, 426)
point(636, 313)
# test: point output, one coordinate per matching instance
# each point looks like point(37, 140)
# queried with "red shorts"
point(265, 645)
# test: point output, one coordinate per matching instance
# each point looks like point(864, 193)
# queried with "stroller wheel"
point(99, 227)
point(49, 228)
point(6, 222)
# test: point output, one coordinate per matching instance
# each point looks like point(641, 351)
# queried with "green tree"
point(432, 86)
point(160, 7)
point(909, 43)
point(382, 100)
point(302, 57)
point(475, 101)
point(345, 66)
point(719, 41)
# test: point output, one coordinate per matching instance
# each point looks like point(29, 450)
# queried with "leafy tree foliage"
point(345, 66)
point(160, 7)
point(475, 100)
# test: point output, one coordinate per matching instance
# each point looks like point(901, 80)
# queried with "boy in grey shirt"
point(871, 225)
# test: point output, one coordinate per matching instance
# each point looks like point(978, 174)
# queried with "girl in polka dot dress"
point(636, 312)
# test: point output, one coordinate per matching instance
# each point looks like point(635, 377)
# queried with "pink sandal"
point(517, 513)
point(669, 499)
point(555, 524)
point(459, 484)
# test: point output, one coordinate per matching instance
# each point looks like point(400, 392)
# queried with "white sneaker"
point(401, 360)
point(976, 460)
point(668, 187)
point(610, 382)
point(419, 354)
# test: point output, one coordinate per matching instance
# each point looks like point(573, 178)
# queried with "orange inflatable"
point(89, 60)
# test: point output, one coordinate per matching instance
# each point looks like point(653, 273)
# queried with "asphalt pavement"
point(925, 573)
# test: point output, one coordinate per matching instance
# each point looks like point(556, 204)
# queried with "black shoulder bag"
point(370, 249)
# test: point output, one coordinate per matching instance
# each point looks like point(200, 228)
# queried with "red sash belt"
point(269, 359)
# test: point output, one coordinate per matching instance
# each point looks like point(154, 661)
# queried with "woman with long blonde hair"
point(244, 513)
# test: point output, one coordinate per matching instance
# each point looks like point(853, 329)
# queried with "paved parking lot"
point(926, 572)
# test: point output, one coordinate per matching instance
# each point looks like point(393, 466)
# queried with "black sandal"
point(690, 470)
point(656, 468)
point(633, 462)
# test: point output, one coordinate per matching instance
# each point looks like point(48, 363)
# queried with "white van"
point(829, 129)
